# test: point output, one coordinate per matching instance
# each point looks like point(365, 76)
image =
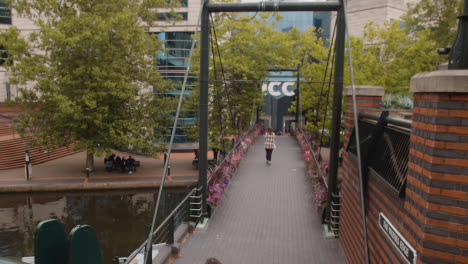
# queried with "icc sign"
point(279, 89)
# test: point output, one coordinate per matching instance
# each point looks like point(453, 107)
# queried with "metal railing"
point(316, 161)
point(335, 203)
point(187, 210)
point(164, 233)
point(389, 153)
point(335, 213)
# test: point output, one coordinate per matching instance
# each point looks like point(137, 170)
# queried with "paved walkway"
point(267, 215)
point(65, 174)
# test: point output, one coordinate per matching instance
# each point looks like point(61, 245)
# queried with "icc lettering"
point(270, 87)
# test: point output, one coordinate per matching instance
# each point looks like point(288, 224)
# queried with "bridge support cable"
point(356, 133)
point(223, 76)
point(336, 109)
point(148, 248)
point(332, 44)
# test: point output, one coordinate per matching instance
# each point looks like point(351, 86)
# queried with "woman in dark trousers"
point(269, 144)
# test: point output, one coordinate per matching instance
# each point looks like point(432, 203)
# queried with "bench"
point(110, 166)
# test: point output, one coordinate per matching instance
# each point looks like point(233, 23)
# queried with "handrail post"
point(149, 258)
point(170, 239)
point(187, 211)
point(298, 94)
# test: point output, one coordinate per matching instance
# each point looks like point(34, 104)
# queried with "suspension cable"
point(216, 76)
point(326, 68)
point(223, 76)
point(356, 130)
point(176, 119)
point(328, 92)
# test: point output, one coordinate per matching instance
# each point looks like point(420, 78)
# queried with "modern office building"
point(361, 12)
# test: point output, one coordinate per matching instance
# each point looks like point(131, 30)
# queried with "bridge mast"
point(203, 107)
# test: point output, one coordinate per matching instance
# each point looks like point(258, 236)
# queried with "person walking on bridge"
point(269, 144)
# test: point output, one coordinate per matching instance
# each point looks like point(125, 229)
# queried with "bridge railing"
point(385, 144)
point(184, 211)
point(165, 232)
point(320, 186)
point(312, 149)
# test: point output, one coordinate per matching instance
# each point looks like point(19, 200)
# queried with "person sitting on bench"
point(123, 164)
point(130, 164)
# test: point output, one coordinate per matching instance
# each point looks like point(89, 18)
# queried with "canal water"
point(121, 218)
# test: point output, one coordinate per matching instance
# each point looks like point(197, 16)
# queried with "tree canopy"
point(391, 56)
point(243, 48)
point(88, 75)
point(439, 16)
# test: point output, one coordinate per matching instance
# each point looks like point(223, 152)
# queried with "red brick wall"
point(433, 216)
point(351, 232)
point(437, 188)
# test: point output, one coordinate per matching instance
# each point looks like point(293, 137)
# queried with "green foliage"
point(247, 46)
point(397, 56)
point(437, 16)
point(88, 75)
point(310, 51)
point(390, 101)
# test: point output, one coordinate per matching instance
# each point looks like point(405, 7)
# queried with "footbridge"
point(266, 215)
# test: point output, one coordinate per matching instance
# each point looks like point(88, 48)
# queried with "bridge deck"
point(267, 215)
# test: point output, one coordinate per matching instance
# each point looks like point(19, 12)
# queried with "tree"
point(312, 54)
point(88, 75)
point(400, 55)
point(440, 16)
point(244, 47)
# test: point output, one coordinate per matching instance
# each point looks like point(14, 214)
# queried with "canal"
point(121, 218)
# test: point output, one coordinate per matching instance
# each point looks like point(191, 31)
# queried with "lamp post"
point(26, 157)
point(458, 58)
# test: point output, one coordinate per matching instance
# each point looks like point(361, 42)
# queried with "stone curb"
point(91, 186)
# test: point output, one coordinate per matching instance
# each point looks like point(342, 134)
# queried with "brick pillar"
point(367, 97)
point(351, 233)
point(437, 184)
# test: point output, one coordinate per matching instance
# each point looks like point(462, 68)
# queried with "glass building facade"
point(172, 64)
point(5, 13)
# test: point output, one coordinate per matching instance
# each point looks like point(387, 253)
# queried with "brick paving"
point(67, 174)
point(267, 215)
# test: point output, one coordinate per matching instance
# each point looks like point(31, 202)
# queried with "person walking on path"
point(269, 144)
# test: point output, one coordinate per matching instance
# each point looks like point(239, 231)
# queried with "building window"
point(5, 13)
point(177, 47)
point(172, 16)
point(402, 23)
point(3, 55)
point(317, 23)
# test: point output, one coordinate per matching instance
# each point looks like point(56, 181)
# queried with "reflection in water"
point(121, 219)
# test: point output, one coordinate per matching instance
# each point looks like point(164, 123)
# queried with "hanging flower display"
point(320, 192)
point(222, 174)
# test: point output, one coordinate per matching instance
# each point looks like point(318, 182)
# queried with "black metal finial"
point(458, 58)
